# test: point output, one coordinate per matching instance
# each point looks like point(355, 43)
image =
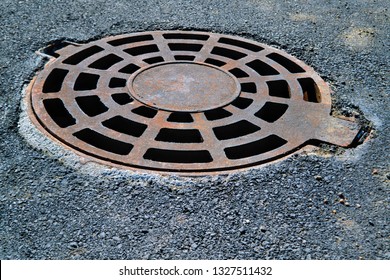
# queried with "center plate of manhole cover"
point(184, 86)
point(184, 102)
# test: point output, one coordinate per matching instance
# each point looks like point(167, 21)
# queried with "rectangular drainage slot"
point(175, 156)
point(255, 148)
point(310, 90)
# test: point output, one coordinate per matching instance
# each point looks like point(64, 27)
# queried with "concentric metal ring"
point(82, 98)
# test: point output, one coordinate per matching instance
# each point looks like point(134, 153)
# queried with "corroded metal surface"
point(184, 86)
point(186, 102)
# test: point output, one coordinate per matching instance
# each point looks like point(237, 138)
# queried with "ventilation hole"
point(242, 102)
point(117, 82)
point(54, 80)
point(179, 135)
point(174, 156)
point(80, 56)
point(100, 141)
point(238, 73)
point(185, 57)
point(310, 90)
point(145, 112)
point(186, 36)
point(106, 62)
point(217, 114)
point(262, 68)
point(279, 88)
point(271, 111)
point(286, 63)
point(240, 44)
point(249, 87)
point(57, 111)
point(91, 105)
point(215, 62)
point(129, 69)
point(86, 81)
point(142, 50)
point(255, 148)
point(179, 117)
point(185, 47)
point(126, 126)
point(235, 130)
point(122, 98)
point(228, 53)
point(129, 40)
point(153, 60)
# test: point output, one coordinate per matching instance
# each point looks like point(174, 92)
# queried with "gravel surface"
point(331, 204)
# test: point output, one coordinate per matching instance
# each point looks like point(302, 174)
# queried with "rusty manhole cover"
point(190, 102)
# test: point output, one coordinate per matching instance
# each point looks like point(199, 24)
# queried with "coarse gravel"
point(328, 204)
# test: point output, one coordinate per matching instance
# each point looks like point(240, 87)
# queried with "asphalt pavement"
point(332, 203)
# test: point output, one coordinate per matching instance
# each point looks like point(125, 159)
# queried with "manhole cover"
point(190, 102)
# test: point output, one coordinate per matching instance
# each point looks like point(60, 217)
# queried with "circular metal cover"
point(184, 86)
point(178, 101)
